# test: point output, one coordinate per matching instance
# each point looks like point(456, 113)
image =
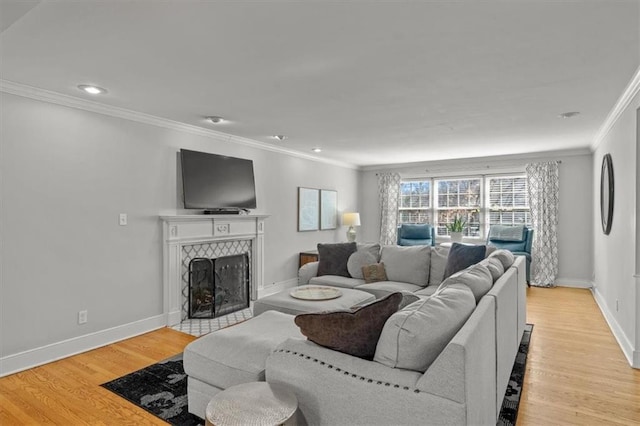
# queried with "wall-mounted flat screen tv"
point(217, 182)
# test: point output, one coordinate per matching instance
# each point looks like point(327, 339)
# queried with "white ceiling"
point(369, 82)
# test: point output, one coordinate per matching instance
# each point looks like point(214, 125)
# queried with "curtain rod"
point(476, 168)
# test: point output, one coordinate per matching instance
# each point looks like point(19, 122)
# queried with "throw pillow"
point(353, 332)
point(505, 257)
point(462, 256)
point(477, 277)
point(373, 248)
point(414, 337)
point(438, 262)
point(332, 258)
point(374, 273)
point(494, 266)
point(357, 260)
point(407, 264)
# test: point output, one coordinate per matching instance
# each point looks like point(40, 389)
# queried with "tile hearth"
point(200, 327)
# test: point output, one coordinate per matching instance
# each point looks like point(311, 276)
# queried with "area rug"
point(161, 389)
point(511, 402)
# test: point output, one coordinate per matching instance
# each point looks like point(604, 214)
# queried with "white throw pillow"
point(494, 266)
point(505, 256)
point(477, 277)
point(407, 264)
point(357, 260)
point(414, 337)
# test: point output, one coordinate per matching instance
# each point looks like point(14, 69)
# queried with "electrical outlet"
point(82, 317)
point(123, 219)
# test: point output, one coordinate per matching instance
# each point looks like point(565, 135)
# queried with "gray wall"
point(66, 174)
point(575, 211)
point(616, 259)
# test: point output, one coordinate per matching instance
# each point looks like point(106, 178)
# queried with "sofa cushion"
point(407, 264)
point(354, 332)
point(359, 259)
point(333, 258)
point(438, 264)
point(414, 337)
point(374, 273)
point(505, 257)
point(238, 354)
point(373, 248)
point(427, 291)
point(462, 256)
point(336, 281)
point(477, 277)
point(494, 266)
point(384, 288)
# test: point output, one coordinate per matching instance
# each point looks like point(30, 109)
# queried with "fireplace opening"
point(218, 286)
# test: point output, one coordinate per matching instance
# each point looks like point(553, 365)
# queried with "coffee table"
point(284, 302)
point(253, 403)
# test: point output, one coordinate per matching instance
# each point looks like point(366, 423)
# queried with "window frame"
point(485, 199)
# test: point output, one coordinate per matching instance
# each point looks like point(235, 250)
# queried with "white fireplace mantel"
point(183, 230)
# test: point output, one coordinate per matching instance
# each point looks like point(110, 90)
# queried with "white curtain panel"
point(544, 189)
point(389, 193)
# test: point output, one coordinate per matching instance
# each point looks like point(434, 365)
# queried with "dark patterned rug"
point(511, 402)
point(161, 389)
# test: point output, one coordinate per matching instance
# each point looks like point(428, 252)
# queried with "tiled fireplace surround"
point(212, 236)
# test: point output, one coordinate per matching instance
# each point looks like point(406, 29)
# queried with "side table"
point(307, 256)
point(253, 403)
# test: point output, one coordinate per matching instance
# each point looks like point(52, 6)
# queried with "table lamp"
point(351, 220)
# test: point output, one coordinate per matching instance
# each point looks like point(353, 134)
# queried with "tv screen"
point(212, 181)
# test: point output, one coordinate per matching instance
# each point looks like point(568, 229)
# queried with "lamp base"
point(351, 234)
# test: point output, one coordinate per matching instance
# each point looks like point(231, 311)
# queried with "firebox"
point(218, 286)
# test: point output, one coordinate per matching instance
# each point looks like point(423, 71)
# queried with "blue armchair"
point(517, 239)
point(416, 234)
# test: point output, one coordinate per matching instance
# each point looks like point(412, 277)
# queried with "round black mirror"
point(606, 193)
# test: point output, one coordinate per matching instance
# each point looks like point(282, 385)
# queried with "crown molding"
point(616, 112)
point(43, 95)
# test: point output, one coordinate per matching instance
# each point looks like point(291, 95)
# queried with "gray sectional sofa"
point(418, 376)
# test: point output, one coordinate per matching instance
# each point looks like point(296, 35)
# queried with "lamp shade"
point(351, 219)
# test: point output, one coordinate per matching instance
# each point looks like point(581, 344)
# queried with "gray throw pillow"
point(439, 257)
point(477, 277)
point(333, 258)
point(359, 259)
point(373, 248)
point(414, 337)
point(461, 256)
point(505, 256)
point(407, 264)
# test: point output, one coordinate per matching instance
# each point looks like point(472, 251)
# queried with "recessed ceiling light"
point(93, 90)
point(280, 137)
point(568, 114)
point(215, 119)
point(316, 149)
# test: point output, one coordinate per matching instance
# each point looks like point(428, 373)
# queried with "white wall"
point(616, 259)
point(66, 174)
point(575, 212)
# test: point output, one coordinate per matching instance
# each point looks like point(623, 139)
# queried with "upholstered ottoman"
point(284, 302)
point(233, 355)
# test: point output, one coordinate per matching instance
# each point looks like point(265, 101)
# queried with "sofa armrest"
point(336, 388)
point(306, 272)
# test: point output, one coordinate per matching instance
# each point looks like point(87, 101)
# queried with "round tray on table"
point(310, 292)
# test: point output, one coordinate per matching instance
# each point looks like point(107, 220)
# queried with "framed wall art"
point(308, 209)
point(328, 209)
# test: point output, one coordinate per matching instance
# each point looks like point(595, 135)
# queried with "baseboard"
point(45, 354)
point(624, 343)
point(277, 287)
point(574, 283)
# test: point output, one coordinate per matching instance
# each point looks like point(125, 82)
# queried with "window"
point(415, 202)
point(480, 201)
point(508, 200)
point(459, 198)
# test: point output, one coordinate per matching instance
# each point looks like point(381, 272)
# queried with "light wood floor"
point(576, 374)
